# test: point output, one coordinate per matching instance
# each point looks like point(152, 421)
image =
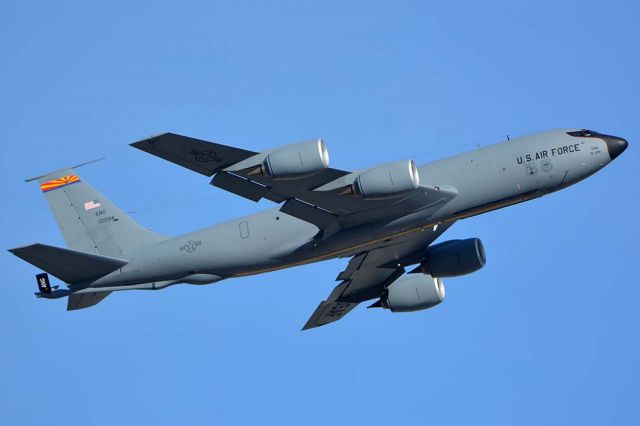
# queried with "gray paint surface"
point(318, 221)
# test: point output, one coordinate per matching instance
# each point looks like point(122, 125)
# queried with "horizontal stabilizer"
point(70, 266)
point(85, 300)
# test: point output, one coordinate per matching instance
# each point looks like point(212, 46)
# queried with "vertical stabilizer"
point(88, 220)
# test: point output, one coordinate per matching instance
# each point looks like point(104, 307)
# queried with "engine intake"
point(413, 292)
point(454, 258)
point(297, 160)
point(387, 181)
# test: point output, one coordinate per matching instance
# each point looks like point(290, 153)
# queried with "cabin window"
point(584, 133)
point(244, 229)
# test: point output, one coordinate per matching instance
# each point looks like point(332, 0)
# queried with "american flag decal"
point(59, 183)
point(91, 205)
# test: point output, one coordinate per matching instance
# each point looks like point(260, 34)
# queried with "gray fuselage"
point(484, 179)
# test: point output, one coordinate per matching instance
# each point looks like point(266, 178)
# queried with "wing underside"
point(369, 273)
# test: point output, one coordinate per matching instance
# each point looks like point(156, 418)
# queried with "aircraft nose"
point(615, 145)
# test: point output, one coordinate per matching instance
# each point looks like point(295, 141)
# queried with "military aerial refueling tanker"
point(385, 218)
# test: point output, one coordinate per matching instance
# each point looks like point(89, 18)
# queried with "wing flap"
point(307, 212)
point(354, 265)
point(239, 186)
point(369, 283)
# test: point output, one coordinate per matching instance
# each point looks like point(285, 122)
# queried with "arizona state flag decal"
point(59, 183)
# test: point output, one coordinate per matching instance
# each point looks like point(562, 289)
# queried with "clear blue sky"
point(546, 333)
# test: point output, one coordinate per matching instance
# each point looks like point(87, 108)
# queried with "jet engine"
point(387, 181)
point(454, 258)
point(413, 292)
point(297, 160)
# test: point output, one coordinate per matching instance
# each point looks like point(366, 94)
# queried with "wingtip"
point(309, 325)
point(149, 140)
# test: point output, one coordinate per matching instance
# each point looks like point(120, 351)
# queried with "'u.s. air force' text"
point(546, 154)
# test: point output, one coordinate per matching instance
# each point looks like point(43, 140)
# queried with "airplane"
point(384, 218)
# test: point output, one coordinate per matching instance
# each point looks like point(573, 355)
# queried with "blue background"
point(546, 333)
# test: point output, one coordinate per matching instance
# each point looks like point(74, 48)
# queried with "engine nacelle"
point(387, 181)
point(454, 258)
point(413, 292)
point(297, 160)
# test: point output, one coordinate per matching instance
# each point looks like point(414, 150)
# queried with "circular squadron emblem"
point(206, 156)
point(531, 169)
point(546, 165)
point(191, 246)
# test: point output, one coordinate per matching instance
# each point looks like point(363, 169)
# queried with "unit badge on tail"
point(59, 183)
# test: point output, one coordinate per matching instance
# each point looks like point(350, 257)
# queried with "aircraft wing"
point(206, 158)
point(301, 197)
point(369, 273)
point(338, 304)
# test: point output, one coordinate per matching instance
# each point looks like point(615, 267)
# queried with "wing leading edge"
point(316, 199)
point(206, 158)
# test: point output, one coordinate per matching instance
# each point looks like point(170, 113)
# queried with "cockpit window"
point(584, 133)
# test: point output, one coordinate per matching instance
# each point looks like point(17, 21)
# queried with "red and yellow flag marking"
point(59, 183)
